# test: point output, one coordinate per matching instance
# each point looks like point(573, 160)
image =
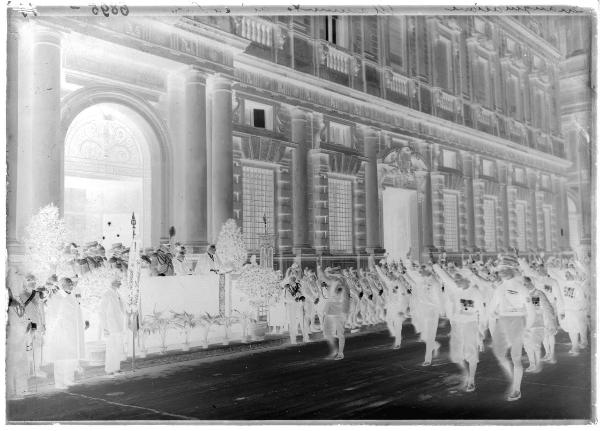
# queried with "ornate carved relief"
point(103, 146)
point(235, 107)
point(399, 168)
point(263, 149)
point(344, 164)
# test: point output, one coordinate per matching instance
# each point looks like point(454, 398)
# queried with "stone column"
point(469, 173)
point(300, 175)
point(221, 152)
point(194, 162)
point(563, 215)
point(47, 153)
point(12, 137)
point(372, 194)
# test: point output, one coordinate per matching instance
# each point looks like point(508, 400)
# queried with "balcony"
point(398, 84)
point(256, 30)
point(485, 117)
point(337, 60)
point(445, 101)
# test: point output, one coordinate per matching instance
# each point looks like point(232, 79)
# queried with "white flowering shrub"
point(258, 283)
point(44, 241)
point(230, 246)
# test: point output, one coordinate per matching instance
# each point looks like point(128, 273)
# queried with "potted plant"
point(186, 322)
point(227, 322)
point(146, 328)
point(207, 321)
point(246, 318)
point(161, 324)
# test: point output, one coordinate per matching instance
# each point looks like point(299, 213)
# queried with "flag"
point(133, 286)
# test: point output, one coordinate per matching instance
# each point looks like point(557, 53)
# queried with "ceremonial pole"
point(133, 315)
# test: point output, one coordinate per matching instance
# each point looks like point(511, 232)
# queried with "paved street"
point(297, 383)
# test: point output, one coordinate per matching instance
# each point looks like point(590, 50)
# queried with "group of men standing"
point(518, 304)
point(46, 325)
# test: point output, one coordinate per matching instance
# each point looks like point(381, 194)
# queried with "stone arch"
point(159, 148)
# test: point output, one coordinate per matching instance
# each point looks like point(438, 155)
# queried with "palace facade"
point(338, 136)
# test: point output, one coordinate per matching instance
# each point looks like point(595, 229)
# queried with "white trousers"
point(64, 373)
point(16, 371)
point(296, 317)
point(114, 352)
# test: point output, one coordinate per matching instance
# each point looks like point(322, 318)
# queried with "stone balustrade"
point(485, 116)
point(398, 84)
point(336, 59)
point(257, 30)
point(445, 101)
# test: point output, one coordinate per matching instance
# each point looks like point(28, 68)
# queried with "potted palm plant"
point(146, 328)
point(186, 322)
point(246, 318)
point(207, 321)
point(227, 322)
point(161, 324)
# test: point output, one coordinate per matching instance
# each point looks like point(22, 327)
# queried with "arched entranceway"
point(107, 175)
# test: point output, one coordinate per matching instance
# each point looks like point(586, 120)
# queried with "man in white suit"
point(209, 262)
point(112, 323)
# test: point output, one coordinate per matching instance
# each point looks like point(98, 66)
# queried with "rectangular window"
point(520, 176)
point(489, 223)
point(258, 204)
point(521, 225)
point(371, 40)
point(258, 118)
point(336, 31)
point(548, 227)
point(339, 134)
point(451, 221)
point(546, 182)
point(443, 64)
point(539, 108)
point(258, 115)
point(396, 42)
point(513, 97)
point(449, 159)
point(487, 168)
point(340, 215)
point(482, 77)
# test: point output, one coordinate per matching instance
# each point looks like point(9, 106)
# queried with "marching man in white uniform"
point(575, 322)
point(336, 312)
point(112, 324)
point(511, 305)
point(397, 302)
point(466, 313)
point(426, 308)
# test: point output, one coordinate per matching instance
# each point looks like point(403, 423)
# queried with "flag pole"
point(133, 322)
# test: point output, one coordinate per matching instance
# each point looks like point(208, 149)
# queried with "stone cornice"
point(512, 26)
point(314, 93)
point(179, 41)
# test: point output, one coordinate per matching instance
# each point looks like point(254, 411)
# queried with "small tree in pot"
point(227, 322)
point(186, 322)
point(207, 321)
point(246, 318)
point(161, 324)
